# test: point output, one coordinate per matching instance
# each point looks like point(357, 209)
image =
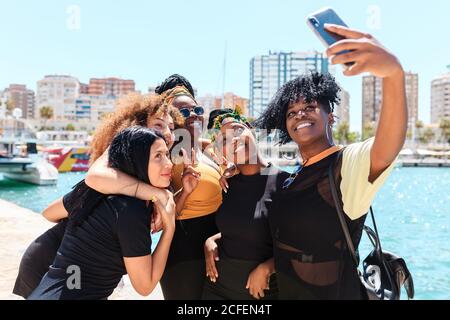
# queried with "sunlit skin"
point(368, 55)
point(164, 124)
point(145, 271)
point(160, 166)
point(237, 144)
point(194, 124)
point(307, 125)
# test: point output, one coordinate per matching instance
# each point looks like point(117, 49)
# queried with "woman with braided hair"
point(239, 259)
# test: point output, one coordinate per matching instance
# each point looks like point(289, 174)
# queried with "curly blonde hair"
point(133, 109)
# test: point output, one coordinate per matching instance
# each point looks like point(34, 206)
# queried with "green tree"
point(343, 135)
point(419, 125)
point(9, 104)
point(426, 136)
point(368, 130)
point(46, 112)
point(70, 127)
point(352, 137)
point(444, 125)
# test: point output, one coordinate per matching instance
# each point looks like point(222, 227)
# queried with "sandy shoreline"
point(18, 228)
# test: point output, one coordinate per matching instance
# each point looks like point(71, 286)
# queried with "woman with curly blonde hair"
point(134, 109)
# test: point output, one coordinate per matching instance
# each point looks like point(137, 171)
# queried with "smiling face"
point(307, 123)
point(194, 123)
point(159, 166)
point(237, 143)
point(163, 123)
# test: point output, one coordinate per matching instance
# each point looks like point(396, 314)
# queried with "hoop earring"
point(330, 141)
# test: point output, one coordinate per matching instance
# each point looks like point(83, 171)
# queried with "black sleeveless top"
point(242, 217)
point(310, 253)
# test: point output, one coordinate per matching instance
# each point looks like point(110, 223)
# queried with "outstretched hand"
point(367, 53)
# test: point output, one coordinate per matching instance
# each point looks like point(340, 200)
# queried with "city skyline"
point(142, 41)
point(270, 71)
point(105, 91)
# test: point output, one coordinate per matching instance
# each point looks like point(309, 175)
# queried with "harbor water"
point(412, 212)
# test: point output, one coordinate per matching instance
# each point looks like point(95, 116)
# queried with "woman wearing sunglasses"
point(239, 259)
point(310, 253)
point(198, 196)
point(195, 182)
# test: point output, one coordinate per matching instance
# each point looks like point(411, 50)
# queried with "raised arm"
point(369, 55)
point(55, 211)
point(107, 180)
point(190, 180)
point(145, 272)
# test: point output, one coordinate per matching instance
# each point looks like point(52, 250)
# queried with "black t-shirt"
point(118, 227)
point(242, 218)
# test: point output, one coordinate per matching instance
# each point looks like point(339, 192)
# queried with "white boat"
point(38, 172)
point(31, 169)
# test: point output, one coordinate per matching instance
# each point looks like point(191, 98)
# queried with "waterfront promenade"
point(18, 228)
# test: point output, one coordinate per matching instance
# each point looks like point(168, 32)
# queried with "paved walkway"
point(18, 228)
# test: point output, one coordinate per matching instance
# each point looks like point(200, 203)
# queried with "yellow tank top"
point(206, 198)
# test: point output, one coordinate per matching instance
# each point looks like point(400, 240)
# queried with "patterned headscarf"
point(179, 91)
point(223, 119)
point(235, 116)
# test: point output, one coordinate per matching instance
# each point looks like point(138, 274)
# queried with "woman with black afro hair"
point(310, 254)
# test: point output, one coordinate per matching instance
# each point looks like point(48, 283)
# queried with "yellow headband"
point(174, 93)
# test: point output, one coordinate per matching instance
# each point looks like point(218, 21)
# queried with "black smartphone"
point(317, 20)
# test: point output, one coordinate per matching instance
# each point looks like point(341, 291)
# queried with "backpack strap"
point(339, 209)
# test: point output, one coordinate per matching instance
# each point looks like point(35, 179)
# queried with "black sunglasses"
point(186, 112)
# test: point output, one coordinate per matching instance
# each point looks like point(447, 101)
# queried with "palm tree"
point(46, 112)
point(444, 125)
point(70, 127)
point(343, 135)
point(9, 104)
point(368, 130)
point(426, 136)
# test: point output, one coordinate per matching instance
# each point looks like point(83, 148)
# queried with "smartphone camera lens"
point(314, 22)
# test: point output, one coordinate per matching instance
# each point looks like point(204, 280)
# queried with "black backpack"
point(383, 273)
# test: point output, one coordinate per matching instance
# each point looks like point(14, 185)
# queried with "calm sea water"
point(412, 212)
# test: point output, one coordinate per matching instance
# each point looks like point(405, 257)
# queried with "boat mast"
point(224, 75)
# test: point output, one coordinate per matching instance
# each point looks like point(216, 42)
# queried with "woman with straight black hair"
point(132, 110)
point(109, 236)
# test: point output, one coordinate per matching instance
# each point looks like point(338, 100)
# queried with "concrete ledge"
point(18, 228)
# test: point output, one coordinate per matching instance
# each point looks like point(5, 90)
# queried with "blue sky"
point(148, 40)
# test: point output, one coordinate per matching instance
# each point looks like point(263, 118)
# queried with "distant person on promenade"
point(195, 181)
point(239, 259)
point(109, 236)
point(132, 110)
point(311, 258)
